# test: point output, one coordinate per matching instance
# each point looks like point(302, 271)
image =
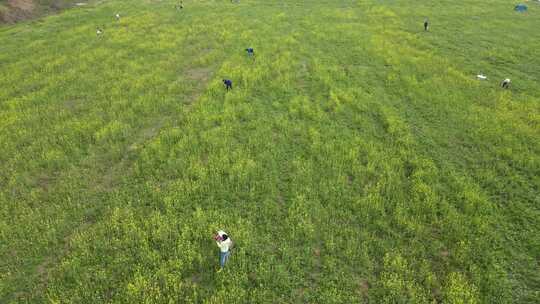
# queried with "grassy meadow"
point(356, 160)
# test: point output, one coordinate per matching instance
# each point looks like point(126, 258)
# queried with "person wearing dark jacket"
point(228, 84)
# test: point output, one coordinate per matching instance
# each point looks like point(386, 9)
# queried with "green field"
point(356, 160)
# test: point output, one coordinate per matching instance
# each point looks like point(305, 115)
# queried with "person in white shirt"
point(224, 243)
point(505, 84)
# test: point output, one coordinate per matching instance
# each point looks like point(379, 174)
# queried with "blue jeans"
point(223, 257)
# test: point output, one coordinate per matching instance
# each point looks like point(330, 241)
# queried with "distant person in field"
point(250, 52)
point(99, 31)
point(224, 243)
point(505, 84)
point(180, 6)
point(426, 25)
point(228, 84)
point(117, 16)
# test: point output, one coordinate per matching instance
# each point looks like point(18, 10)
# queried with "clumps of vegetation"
point(357, 159)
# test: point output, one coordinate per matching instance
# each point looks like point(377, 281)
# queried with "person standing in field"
point(426, 25)
point(224, 243)
point(228, 84)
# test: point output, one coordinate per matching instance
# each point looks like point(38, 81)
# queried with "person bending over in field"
point(250, 52)
point(505, 84)
point(228, 84)
point(224, 243)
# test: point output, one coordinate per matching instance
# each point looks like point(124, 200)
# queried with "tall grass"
point(357, 159)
